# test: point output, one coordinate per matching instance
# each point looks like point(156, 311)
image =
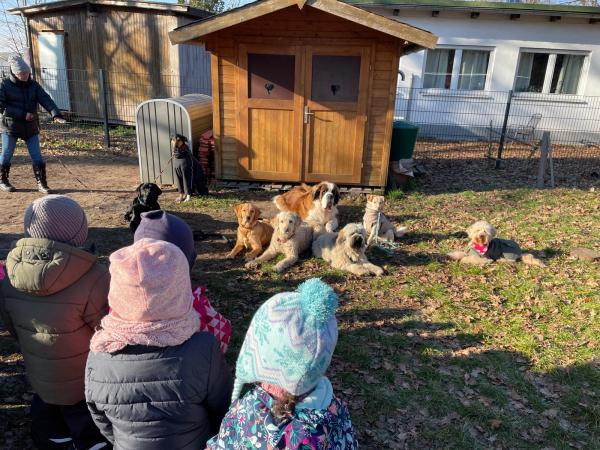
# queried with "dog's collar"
point(373, 209)
point(481, 249)
point(248, 228)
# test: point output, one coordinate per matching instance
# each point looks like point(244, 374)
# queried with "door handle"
point(307, 113)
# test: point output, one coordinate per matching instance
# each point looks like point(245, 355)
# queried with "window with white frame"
point(461, 69)
point(548, 72)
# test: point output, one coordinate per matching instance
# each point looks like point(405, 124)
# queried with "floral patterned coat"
point(250, 424)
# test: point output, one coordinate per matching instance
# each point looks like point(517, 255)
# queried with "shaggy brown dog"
point(315, 205)
point(253, 232)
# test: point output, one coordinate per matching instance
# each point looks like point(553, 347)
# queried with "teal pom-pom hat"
point(290, 340)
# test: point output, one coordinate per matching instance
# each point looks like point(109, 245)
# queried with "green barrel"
point(404, 138)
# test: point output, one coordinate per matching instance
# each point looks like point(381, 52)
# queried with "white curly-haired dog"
point(291, 237)
point(346, 250)
point(485, 248)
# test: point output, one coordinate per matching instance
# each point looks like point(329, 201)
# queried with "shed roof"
point(177, 9)
point(199, 29)
point(484, 6)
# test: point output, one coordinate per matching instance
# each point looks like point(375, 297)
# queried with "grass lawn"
point(438, 355)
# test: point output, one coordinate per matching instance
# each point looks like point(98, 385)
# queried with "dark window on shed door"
point(335, 78)
point(271, 76)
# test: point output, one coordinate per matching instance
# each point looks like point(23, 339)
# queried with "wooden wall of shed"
point(307, 26)
point(131, 46)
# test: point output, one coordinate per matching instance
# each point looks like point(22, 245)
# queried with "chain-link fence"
point(100, 106)
point(459, 131)
point(486, 130)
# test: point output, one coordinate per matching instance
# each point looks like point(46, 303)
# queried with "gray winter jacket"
point(155, 398)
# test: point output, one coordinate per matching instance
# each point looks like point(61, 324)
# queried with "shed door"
point(335, 113)
point(270, 112)
point(54, 68)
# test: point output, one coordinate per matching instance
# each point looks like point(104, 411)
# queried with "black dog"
point(146, 200)
point(189, 176)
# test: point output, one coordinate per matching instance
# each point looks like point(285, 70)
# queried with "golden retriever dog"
point(291, 237)
point(316, 205)
point(485, 248)
point(252, 233)
point(387, 230)
point(346, 250)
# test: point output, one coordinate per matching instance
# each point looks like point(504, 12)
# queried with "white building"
point(548, 54)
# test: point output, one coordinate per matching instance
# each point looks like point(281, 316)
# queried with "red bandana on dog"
point(481, 249)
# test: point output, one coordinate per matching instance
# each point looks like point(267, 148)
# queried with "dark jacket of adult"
point(155, 398)
point(53, 297)
point(17, 98)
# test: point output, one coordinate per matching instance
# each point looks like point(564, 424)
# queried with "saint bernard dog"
point(316, 205)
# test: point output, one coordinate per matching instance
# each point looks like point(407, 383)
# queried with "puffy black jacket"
point(17, 98)
point(154, 398)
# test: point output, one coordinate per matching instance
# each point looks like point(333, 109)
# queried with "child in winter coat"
point(153, 381)
point(162, 226)
point(291, 405)
point(52, 297)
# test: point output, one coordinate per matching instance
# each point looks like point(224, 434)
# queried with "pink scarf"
point(481, 249)
point(115, 334)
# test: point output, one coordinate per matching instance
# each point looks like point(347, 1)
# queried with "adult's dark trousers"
point(184, 175)
point(55, 427)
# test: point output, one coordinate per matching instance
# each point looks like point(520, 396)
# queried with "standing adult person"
point(19, 99)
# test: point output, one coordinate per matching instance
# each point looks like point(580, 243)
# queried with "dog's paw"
point(251, 264)
point(229, 256)
point(377, 271)
point(400, 231)
point(279, 268)
point(456, 256)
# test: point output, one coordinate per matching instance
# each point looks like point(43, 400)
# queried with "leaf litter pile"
point(433, 354)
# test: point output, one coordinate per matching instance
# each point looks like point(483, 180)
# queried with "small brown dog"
point(388, 231)
point(253, 232)
point(485, 248)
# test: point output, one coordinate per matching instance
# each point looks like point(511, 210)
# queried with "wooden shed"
point(71, 40)
point(303, 90)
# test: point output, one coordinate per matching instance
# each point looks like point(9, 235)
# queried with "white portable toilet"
point(159, 119)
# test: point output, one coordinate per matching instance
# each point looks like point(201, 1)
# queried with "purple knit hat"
point(58, 218)
point(162, 226)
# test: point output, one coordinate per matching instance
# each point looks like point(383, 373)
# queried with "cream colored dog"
point(485, 248)
point(374, 211)
point(346, 250)
point(291, 237)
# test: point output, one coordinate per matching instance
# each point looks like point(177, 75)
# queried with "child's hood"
point(43, 267)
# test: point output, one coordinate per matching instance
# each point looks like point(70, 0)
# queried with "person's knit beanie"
point(150, 298)
point(290, 340)
point(19, 65)
point(58, 218)
point(162, 226)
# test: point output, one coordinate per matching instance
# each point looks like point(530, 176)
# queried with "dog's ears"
point(158, 189)
point(370, 197)
point(138, 189)
point(256, 213)
point(341, 237)
point(336, 195)
point(237, 209)
point(317, 192)
point(182, 138)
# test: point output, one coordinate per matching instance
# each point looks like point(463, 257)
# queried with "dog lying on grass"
point(346, 250)
point(374, 211)
point(253, 232)
point(485, 248)
point(292, 237)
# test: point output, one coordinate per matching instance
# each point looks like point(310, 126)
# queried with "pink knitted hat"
point(150, 298)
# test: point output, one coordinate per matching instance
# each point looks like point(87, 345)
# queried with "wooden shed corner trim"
point(199, 29)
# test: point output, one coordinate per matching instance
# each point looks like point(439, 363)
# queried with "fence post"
point(545, 152)
point(409, 101)
point(503, 134)
point(104, 103)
